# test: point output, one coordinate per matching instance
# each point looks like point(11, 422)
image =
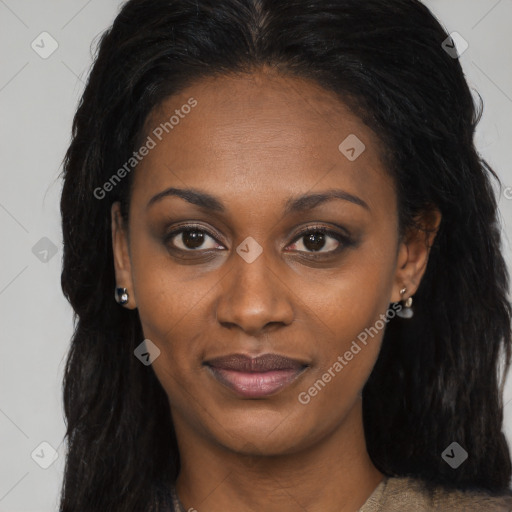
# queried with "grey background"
point(37, 100)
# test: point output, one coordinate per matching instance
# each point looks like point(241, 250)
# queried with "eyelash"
point(343, 240)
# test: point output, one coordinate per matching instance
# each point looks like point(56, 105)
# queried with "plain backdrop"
point(38, 97)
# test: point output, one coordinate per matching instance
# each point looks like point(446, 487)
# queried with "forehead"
point(248, 136)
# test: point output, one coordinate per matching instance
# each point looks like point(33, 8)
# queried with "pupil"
point(316, 239)
point(192, 239)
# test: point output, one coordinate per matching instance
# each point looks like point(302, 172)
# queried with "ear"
point(122, 263)
point(413, 253)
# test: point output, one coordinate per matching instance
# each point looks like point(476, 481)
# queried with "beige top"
point(408, 495)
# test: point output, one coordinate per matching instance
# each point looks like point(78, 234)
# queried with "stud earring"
point(406, 311)
point(121, 296)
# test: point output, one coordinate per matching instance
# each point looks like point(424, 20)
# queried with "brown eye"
point(191, 239)
point(316, 239)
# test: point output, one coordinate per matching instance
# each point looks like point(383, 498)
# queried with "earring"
point(406, 311)
point(121, 296)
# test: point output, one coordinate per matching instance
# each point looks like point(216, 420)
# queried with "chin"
point(263, 433)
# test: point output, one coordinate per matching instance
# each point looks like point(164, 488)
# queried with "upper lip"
point(262, 363)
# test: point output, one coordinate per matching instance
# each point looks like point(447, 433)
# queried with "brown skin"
point(254, 141)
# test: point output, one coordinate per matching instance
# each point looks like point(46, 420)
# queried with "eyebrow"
point(292, 205)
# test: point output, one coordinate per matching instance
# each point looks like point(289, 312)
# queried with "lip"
point(255, 377)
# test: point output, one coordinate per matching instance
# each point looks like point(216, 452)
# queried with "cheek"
point(172, 303)
point(350, 310)
point(354, 296)
point(164, 297)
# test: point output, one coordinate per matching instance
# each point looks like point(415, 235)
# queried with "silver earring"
point(406, 311)
point(121, 296)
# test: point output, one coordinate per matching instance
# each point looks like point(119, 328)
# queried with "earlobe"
point(123, 293)
point(406, 311)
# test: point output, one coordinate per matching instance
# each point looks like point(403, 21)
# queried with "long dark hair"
point(436, 380)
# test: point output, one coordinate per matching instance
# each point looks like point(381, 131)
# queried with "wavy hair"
point(437, 378)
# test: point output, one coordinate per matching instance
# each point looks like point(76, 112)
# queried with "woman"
point(311, 303)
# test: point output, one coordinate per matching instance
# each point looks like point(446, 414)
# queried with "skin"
point(254, 141)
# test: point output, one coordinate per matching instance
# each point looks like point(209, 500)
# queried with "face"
point(275, 240)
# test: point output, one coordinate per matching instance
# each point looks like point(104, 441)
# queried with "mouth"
point(255, 377)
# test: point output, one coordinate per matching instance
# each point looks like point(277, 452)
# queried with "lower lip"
point(255, 384)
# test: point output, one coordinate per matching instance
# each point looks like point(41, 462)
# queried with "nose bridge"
point(253, 294)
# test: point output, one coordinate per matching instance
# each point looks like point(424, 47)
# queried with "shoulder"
point(407, 494)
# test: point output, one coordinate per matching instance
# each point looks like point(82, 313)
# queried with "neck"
point(334, 474)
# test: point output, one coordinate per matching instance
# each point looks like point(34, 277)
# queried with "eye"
point(314, 239)
point(191, 238)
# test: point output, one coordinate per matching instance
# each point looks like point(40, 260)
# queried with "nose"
point(254, 298)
